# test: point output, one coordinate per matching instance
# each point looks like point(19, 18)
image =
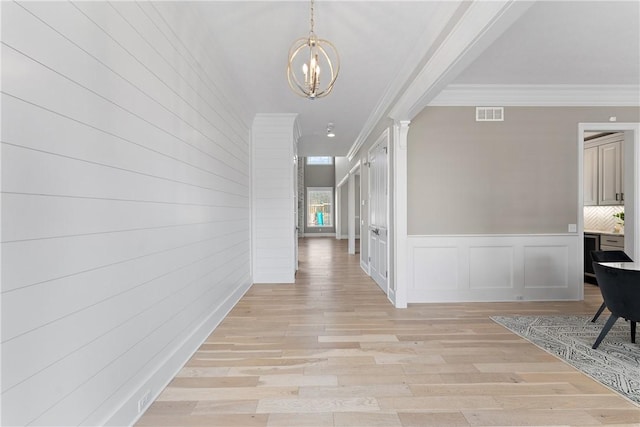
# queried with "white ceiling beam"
point(480, 25)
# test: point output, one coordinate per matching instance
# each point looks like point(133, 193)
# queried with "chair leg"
point(605, 330)
point(633, 332)
point(599, 312)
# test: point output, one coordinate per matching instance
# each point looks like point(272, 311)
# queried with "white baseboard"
point(320, 235)
point(365, 267)
point(127, 414)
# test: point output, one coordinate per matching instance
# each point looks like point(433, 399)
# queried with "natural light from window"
point(320, 160)
point(319, 207)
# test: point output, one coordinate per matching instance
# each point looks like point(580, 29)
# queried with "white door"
point(378, 227)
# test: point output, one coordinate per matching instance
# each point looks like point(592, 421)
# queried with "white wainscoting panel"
point(125, 205)
point(438, 268)
point(494, 268)
point(491, 267)
point(546, 266)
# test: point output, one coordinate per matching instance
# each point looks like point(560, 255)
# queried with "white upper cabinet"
point(603, 181)
point(590, 176)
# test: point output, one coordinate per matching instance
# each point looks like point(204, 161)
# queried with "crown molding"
point(539, 95)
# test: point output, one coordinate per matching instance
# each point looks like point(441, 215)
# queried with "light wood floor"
point(332, 351)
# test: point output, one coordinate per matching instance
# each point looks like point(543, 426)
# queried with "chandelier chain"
point(312, 22)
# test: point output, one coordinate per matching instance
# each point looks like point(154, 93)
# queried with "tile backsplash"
point(601, 217)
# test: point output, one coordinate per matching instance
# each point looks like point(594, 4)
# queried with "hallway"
point(332, 351)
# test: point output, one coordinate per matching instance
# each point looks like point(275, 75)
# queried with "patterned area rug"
point(616, 362)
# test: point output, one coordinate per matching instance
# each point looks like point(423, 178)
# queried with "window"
point(319, 207)
point(326, 160)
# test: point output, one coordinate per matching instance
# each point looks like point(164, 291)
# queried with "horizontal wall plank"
point(126, 204)
point(87, 325)
point(51, 302)
point(56, 133)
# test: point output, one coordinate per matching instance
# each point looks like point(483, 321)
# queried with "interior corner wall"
point(515, 176)
point(318, 176)
point(125, 205)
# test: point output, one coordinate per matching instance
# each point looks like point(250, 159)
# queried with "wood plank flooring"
point(331, 350)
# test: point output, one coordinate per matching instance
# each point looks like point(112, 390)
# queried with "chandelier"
point(307, 57)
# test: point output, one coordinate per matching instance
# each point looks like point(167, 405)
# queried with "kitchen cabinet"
point(591, 243)
point(611, 243)
point(603, 182)
point(610, 189)
point(596, 241)
point(590, 176)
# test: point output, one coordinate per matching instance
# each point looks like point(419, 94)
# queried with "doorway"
point(628, 189)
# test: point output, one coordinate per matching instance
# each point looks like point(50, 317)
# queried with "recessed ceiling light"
point(330, 132)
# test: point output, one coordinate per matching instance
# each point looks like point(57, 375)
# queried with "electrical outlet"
point(573, 228)
point(519, 297)
point(144, 401)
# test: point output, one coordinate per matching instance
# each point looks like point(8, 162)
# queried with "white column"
point(400, 129)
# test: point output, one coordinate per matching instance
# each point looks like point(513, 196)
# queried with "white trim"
point(400, 242)
point(319, 235)
point(354, 170)
point(538, 95)
point(434, 25)
point(351, 213)
point(351, 208)
point(365, 266)
point(126, 413)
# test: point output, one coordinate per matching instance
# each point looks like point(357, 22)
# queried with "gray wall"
point(516, 176)
point(342, 167)
point(319, 176)
point(125, 205)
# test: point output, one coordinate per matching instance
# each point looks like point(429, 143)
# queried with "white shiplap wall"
point(125, 205)
point(275, 138)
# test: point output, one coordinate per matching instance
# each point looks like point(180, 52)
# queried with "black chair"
point(621, 292)
point(607, 256)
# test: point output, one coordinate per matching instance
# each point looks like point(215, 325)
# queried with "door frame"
point(351, 208)
point(631, 184)
point(340, 209)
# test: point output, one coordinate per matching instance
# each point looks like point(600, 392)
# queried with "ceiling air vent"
point(489, 114)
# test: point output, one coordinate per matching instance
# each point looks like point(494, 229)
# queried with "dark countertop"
point(606, 233)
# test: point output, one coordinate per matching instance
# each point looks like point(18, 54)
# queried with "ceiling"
point(574, 42)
